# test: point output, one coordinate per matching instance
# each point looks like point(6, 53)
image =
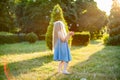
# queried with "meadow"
point(25, 61)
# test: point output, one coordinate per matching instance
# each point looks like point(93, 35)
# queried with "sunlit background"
point(104, 5)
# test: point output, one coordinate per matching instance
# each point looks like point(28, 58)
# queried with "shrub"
point(115, 40)
point(105, 38)
point(56, 15)
point(96, 35)
point(82, 38)
point(6, 37)
point(5, 33)
point(31, 37)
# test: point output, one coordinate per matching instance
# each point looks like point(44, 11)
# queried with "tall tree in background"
point(6, 15)
point(70, 12)
point(56, 15)
point(90, 18)
point(114, 24)
point(34, 15)
point(84, 15)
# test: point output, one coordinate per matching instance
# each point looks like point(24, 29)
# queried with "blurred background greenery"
point(25, 16)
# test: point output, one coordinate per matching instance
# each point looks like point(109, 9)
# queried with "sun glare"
point(104, 5)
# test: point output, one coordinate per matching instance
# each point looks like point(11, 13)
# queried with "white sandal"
point(66, 72)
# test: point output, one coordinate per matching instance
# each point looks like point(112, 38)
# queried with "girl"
point(60, 46)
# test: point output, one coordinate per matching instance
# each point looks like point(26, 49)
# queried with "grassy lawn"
point(35, 62)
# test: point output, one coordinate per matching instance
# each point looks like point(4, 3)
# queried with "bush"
point(113, 40)
point(5, 33)
point(96, 35)
point(6, 37)
point(105, 38)
point(31, 37)
point(82, 38)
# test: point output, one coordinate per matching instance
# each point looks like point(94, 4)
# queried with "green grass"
point(35, 62)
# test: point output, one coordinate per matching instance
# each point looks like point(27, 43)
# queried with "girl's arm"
point(64, 39)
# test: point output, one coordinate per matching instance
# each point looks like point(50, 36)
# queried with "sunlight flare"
point(104, 5)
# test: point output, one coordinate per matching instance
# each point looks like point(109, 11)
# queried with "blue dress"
point(62, 51)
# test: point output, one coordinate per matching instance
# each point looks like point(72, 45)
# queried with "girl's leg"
point(60, 66)
point(65, 68)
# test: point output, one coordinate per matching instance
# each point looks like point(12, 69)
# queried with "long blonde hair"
point(58, 26)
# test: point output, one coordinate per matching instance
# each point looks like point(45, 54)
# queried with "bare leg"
point(60, 66)
point(65, 68)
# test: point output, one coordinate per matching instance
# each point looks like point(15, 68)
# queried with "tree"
point(84, 15)
point(91, 18)
point(33, 15)
point(114, 24)
point(114, 19)
point(56, 15)
point(6, 15)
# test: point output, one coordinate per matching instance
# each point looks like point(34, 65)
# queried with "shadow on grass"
point(93, 42)
point(23, 47)
point(102, 65)
point(26, 66)
point(76, 47)
point(2, 75)
point(54, 74)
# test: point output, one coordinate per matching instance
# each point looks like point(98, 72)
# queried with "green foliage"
point(41, 37)
point(84, 15)
point(6, 37)
point(115, 31)
point(6, 15)
point(115, 40)
point(96, 35)
point(56, 15)
point(114, 24)
point(81, 38)
point(5, 33)
point(105, 38)
point(21, 37)
point(33, 16)
point(31, 37)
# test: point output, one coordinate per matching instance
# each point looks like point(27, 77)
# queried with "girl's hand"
point(71, 33)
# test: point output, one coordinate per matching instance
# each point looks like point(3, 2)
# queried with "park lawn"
point(35, 62)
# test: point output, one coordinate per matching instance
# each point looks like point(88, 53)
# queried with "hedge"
point(105, 38)
point(81, 38)
point(6, 37)
point(115, 40)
